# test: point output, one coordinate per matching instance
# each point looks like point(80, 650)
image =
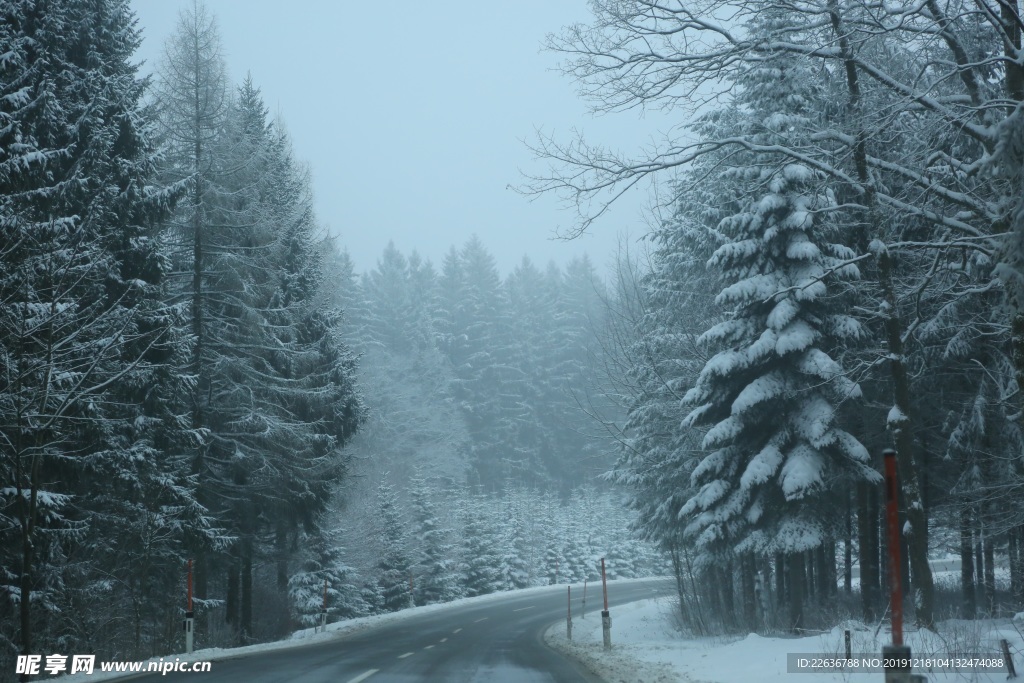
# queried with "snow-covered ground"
point(647, 648)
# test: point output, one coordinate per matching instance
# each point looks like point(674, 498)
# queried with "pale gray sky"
point(411, 114)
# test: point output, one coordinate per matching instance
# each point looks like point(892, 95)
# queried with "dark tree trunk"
point(826, 555)
point(201, 577)
point(245, 623)
point(795, 582)
point(780, 582)
point(848, 550)
point(1018, 568)
point(867, 530)
point(281, 542)
point(979, 561)
point(907, 461)
point(748, 581)
point(810, 574)
point(1009, 13)
point(728, 604)
point(1013, 550)
point(231, 603)
point(990, 575)
point(968, 604)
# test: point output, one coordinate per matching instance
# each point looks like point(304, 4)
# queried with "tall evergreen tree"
point(394, 567)
point(82, 327)
point(434, 575)
point(772, 392)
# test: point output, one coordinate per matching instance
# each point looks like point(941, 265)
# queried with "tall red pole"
point(892, 515)
point(189, 583)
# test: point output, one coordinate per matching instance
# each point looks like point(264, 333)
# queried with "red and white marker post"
point(189, 614)
point(606, 617)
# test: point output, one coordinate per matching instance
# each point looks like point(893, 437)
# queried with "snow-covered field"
point(647, 648)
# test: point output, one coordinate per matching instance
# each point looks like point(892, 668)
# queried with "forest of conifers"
point(191, 370)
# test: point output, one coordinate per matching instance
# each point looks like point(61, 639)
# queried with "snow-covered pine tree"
point(323, 569)
point(434, 574)
point(394, 567)
point(481, 562)
point(515, 567)
point(480, 357)
point(770, 395)
point(82, 327)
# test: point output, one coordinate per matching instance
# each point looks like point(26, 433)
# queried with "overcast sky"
point(411, 115)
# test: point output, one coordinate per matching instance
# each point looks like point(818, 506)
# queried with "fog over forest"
point(201, 386)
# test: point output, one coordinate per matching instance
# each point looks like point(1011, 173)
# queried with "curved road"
point(498, 640)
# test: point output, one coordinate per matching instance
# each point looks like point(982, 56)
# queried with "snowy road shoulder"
point(647, 648)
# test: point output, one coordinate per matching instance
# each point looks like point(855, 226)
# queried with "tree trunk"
point(990, 575)
point(848, 550)
point(863, 541)
point(201, 582)
point(882, 565)
point(968, 605)
point(1009, 13)
point(826, 554)
point(27, 552)
point(245, 624)
point(1018, 595)
point(231, 603)
point(282, 557)
point(748, 582)
point(867, 530)
point(728, 604)
point(810, 575)
point(902, 436)
point(1013, 550)
point(899, 424)
point(979, 560)
point(795, 582)
point(780, 582)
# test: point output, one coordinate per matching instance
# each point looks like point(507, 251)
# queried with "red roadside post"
point(897, 655)
point(606, 617)
point(189, 614)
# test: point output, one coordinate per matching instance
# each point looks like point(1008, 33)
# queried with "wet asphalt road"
point(495, 641)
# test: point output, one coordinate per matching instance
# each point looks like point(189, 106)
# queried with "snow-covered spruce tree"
point(652, 331)
point(481, 561)
point(434, 574)
point(480, 355)
point(323, 569)
point(191, 100)
point(82, 327)
point(274, 394)
point(771, 394)
point(393, 589)
point(515, 567)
